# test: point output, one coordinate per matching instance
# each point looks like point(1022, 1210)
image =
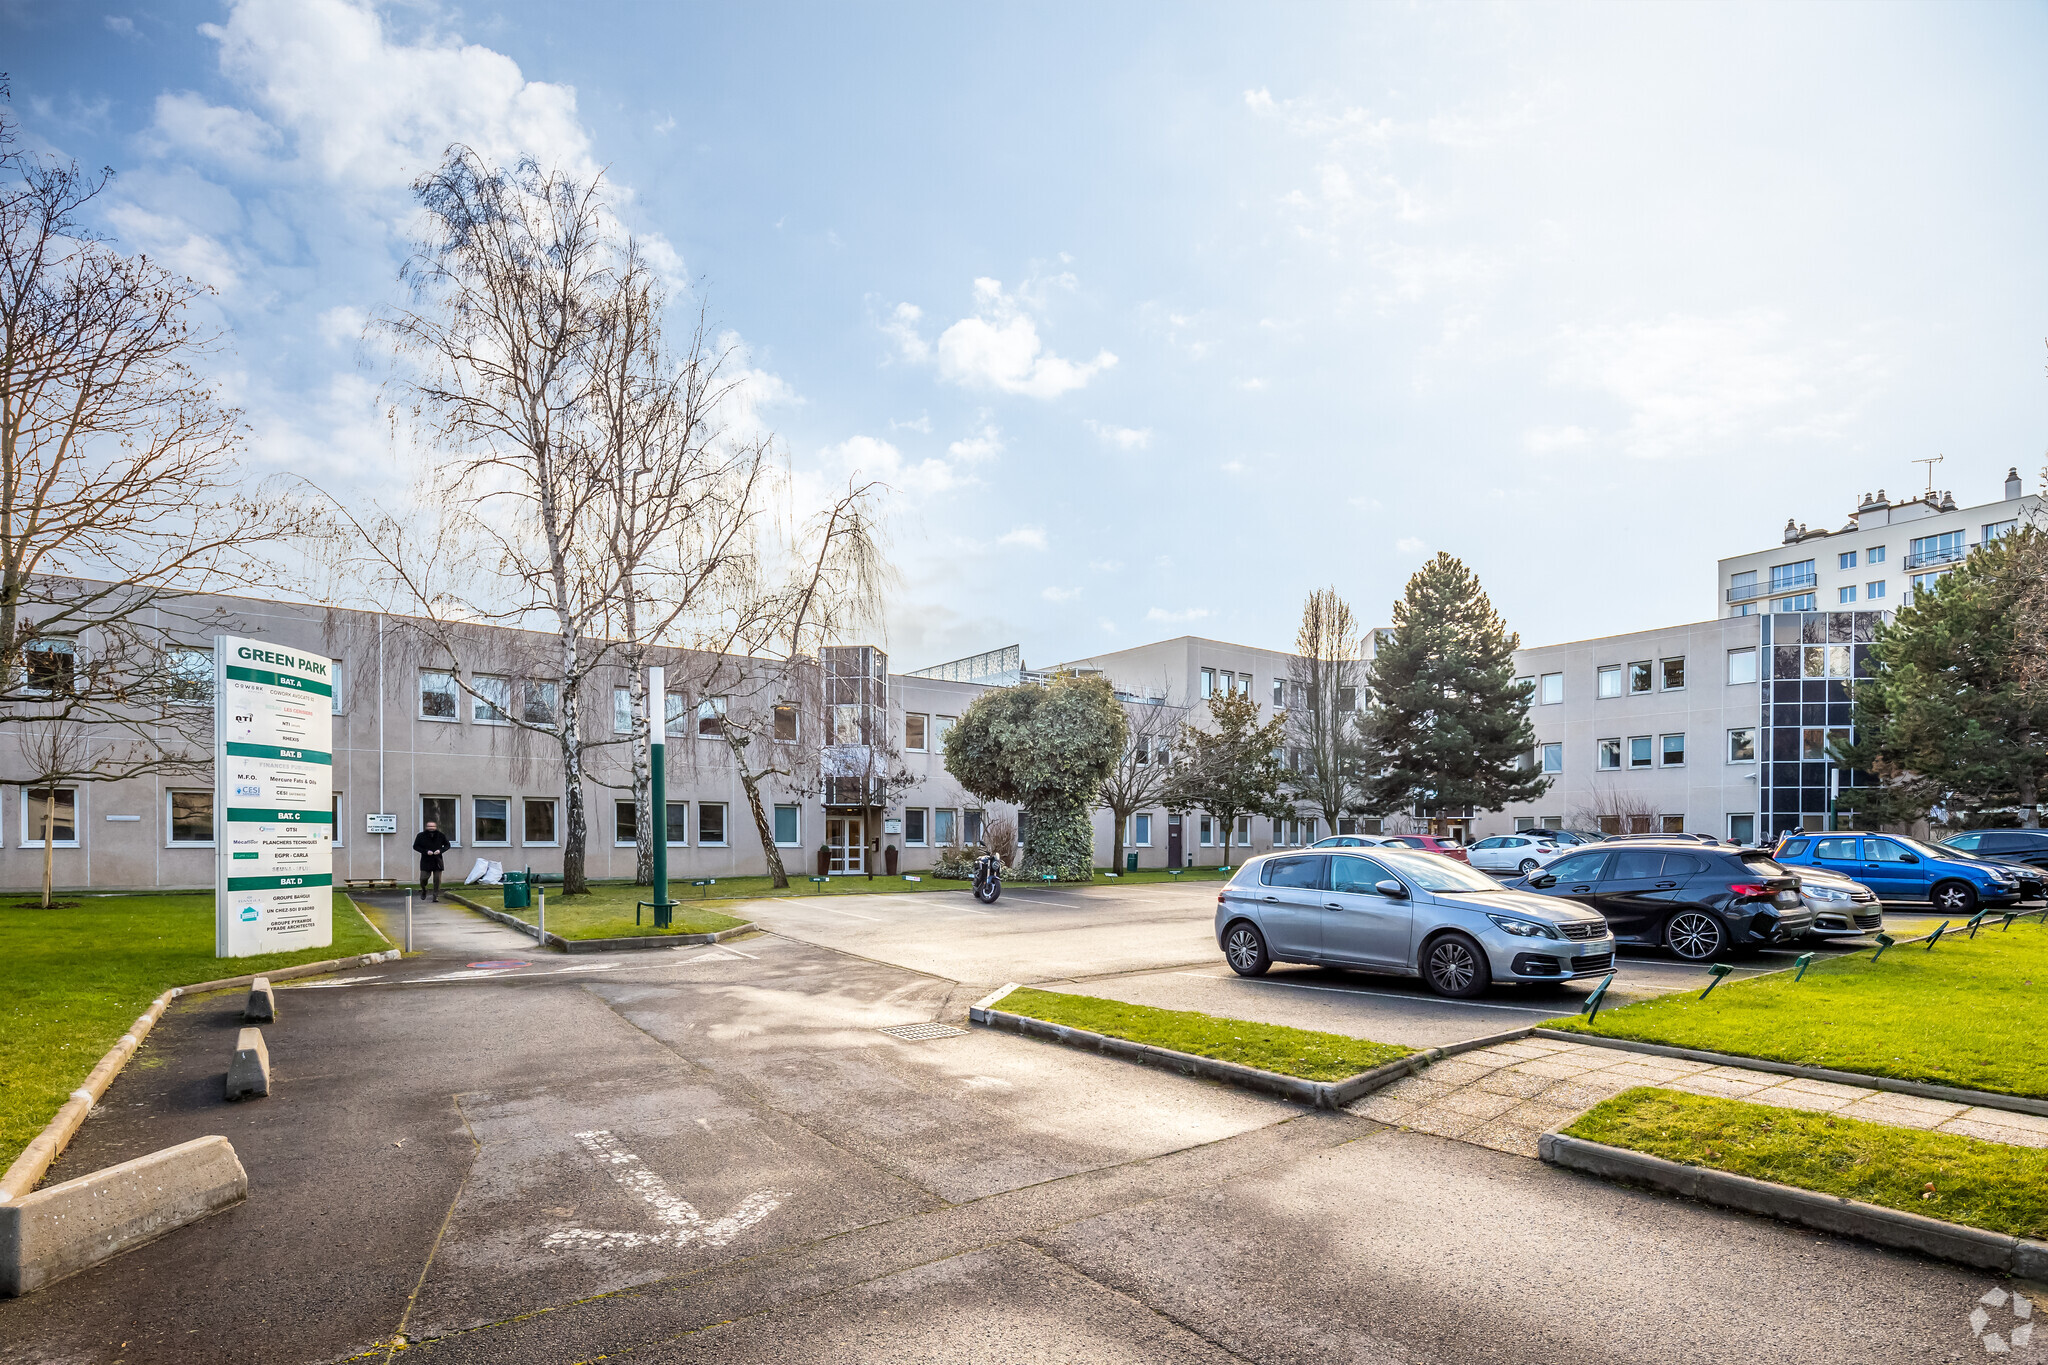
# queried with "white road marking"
point(832, 910)
point(323, 985)
point(1391, 995)
point(737, 953)
point(586, 967)
point(684, 1225)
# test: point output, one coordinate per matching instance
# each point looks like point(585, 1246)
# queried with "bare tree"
point(56, 750)
point(1616, 810)
point(117, 471)
point(1143, 774)
point(1326, 675)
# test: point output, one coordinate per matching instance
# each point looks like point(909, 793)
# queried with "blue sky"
point(1160, 316)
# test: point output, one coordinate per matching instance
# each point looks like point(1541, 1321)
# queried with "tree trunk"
point(645, 817)
point(1229, 828)
point(49, 846)
point(1116, 846)
point(2030, 798)
point(575, 882)
point(752, 783)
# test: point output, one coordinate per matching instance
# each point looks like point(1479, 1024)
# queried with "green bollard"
point(1884, 941)
point(2011, 915)
point(1935, 937)
point(1593, 1001)
point(1719, 971)
point(1802, 962)
point(1976, 920)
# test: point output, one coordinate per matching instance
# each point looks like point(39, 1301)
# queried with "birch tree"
point(1326, 678)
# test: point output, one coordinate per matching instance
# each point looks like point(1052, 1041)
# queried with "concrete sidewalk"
point(441, 927)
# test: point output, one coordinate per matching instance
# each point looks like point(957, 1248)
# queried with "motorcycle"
point(988, 878)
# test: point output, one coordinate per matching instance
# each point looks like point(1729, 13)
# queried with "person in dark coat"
point(430, 843)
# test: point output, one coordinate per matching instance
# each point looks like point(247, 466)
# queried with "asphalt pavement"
point(720, 1154)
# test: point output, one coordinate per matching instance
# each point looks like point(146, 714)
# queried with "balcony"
point(1950, 555)
point(1777, 587)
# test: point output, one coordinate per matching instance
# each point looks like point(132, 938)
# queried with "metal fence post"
point(540, 936)
point(408, 921)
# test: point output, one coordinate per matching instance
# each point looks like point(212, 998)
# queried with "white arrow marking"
point(684, 1224)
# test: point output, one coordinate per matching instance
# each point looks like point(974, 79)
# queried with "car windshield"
point(1926, 850)
point(1434, 872)
point(1761, 862)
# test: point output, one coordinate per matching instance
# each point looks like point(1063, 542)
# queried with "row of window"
point(1223, 682)
point(1638, 677)
point(1741, 828)
point(938, 827)
point(924, 733)
point(1817, 744)
point(188, 818)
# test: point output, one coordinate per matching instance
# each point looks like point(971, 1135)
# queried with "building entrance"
point(847, 838)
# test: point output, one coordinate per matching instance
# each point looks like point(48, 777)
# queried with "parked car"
point(1406, 912)
point(1662, 838)
point(1429, 843)
point(1901, 869)
point(1698, 902)
point(1353, 841)
point(1841, 908)
point(1513, 852)
point(2024, 851)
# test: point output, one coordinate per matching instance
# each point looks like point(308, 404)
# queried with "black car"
point(1661, 838)
point(2025, 851)
point(1697, 901)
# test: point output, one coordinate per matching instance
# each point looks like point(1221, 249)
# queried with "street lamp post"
point(657, 754)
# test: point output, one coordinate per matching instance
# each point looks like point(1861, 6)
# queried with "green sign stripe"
point(280, 883)
point(245, 815)
point(291, 680)
point(273, 751)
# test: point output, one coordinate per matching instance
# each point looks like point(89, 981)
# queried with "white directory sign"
point(273, 766)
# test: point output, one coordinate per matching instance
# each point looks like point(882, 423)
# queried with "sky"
point(1157, 317)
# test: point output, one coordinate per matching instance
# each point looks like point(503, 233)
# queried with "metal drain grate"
point(923, 1033)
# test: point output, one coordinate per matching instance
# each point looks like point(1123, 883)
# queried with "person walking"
point(430, 843)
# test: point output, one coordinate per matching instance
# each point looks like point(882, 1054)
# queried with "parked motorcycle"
point(988, 878)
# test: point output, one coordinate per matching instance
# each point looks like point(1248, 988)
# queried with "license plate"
point(1788, 898)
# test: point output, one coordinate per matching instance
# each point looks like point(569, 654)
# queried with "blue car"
point(1902, 869)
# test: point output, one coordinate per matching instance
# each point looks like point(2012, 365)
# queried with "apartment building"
point(1885, 550)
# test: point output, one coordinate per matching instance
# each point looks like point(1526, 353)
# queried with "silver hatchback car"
point(1397, 910)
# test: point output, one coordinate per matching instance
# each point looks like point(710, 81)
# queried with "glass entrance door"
point(847, 838)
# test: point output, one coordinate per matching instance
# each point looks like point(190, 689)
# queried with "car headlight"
point(1523, 928)
point(1827, 893)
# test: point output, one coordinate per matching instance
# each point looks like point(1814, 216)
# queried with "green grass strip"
point(1967, 1013)
point(73, 979)
point(1306, 1053)
point(1989, 1185)
point(607, 912)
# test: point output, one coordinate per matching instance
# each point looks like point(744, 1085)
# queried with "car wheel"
point(1455, 965)
point(1955, 898)
point(1244, 948)
point(1526, 866)
point(1695, 935)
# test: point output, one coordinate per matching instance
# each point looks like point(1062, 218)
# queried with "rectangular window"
point(1742, 744)
point(1208, 683)
point(1785, 577)
point(537, 702)
point(711, 824)
point(1998, 530)
point(1874, 555)
point(1244, 831)
point(1279, 694)
point(49, 663)
point(1741, 666)
point(846, 723)
point(1609, 676)
point(1553, 758)
point(1847, 593)
point(1874, 590)
point(446, 814)
point(37, 805)
point(1674, 673)
point(939, 728)
point(676, 719)
point(943, 822)
point(914, 827)
point(1553, 688)
point(340, 825)
point(1742, 829)
point(190, 819)
point(1674, 751)
point(1347, 699)
point(1527, 687)
point(678, 824)
point(1742, 585)
point(711, 717)
point(622, 710)
point(1924, 582)
point(1672, 824)
point(1610, 755)
point(1639, 676)
point(626, 817)
point(492, 701)
point(1207, 835)
point(1846, 560)
point(334, 702)
point(1804, 602)
point(437, 695)
point(785, 724)
point(914, 733)
point(1813, 745)
point(540, 822)
point(788, 827)
point(189, 673)
point(491, 821)
point(1943, 548)
point(1639, 751)
point(1141, 831)
point(971, 823)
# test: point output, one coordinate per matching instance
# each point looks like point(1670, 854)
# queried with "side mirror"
point(1391, 889)
point(1908, 858)
point(1542, 880)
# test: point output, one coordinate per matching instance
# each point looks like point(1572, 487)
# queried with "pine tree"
point(1447, 718)
point(1233, 769)
point(1952, 716)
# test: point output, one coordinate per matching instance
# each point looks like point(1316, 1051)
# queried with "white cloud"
point(217, 132)
point(121, 24)
point(1160, 616)
point(1410, 545)
point(666, 126)
point(985, 444)
point(1060, 594)
point(1107, 626)
point(1550, 440)
point(1253, 385)
point(1233, 466)
point(341, 324)
point(998, 347)
point(1029, 537)
point(1123, 438)
point(1105, 565)
point(175, 243)
point(865, 457)
point(921, 424)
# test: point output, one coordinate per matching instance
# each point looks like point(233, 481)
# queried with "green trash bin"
point(517, 896)
point(1130, 862)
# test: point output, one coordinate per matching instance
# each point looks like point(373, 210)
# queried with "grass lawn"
point(1987, 1185)
point(1299, 1052)
point(1968, 1013)
point(607, 912)
point(72, 981)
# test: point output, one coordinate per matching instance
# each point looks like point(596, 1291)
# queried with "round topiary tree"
point(1044, 747)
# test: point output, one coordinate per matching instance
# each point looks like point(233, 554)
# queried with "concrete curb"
point(79, 1223)
point(1318, 1094)
point(600, 945)
point(1827, 1212)
point(1984, 1099)
point(249, 1066)
point(261, 1006)
point(48, 1145)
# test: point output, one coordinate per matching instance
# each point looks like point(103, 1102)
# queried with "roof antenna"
point(1931, 461)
